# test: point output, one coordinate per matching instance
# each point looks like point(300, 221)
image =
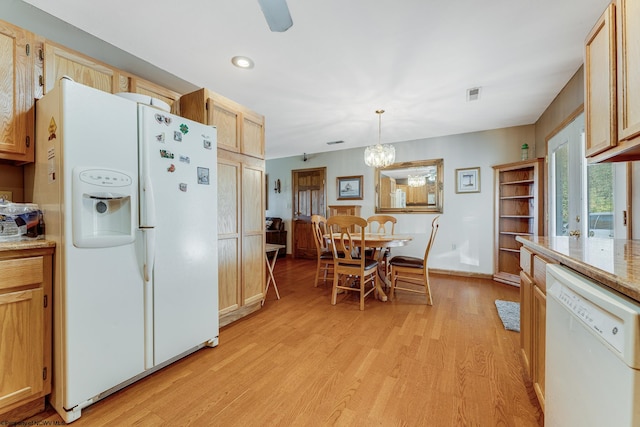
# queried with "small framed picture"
point(350, 187)
point(468, 180)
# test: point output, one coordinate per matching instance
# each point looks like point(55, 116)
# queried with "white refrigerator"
point(128, 193)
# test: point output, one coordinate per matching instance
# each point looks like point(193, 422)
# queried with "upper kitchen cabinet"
point(612, 86)
point(239, 129)
point(18, 55)
point(60, 61)
point(145, 87)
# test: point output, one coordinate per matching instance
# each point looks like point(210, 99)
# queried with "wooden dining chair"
point(325, 256)
point(413, 270)
point(351, 272)
point(381, 224)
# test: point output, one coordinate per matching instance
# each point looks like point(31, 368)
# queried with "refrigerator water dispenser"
point(103, 208)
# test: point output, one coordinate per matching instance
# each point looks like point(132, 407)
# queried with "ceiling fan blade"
point(276, 12)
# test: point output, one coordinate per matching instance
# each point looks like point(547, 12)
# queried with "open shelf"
point(519, 212)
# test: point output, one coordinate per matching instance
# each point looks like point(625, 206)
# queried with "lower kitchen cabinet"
point(25, 321)
point(533, 309)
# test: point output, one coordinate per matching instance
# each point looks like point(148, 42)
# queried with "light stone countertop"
point(26, 244)
point(612, 262)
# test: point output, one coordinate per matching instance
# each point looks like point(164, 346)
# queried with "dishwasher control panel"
point(609, 327)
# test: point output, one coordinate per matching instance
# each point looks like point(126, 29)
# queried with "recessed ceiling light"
point(242, 62)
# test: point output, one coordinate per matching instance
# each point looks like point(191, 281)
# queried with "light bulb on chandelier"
point(379, 155)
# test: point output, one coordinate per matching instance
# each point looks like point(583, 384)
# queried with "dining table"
point(380, 242)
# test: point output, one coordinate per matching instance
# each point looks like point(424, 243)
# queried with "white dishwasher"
point(592, 375)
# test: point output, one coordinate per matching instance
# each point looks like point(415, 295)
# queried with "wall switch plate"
point(6, 195)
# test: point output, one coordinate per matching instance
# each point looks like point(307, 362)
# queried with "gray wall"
point(465, 238)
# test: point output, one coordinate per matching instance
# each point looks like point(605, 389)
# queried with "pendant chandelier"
point(416, 180)
point(379, 156)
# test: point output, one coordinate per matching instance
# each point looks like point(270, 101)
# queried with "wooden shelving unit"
point(519, 212)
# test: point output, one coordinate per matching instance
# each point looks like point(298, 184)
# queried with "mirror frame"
point(438, 208)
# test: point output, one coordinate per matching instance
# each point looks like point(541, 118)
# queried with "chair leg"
point(334, 291)
point(428, 289)
point(315, 284)
point(394, 278)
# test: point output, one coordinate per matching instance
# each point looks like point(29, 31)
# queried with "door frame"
point(294, 187)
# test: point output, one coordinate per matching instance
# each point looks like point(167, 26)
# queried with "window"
point(579, 190)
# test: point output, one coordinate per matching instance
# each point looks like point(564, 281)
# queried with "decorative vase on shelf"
point(525, 152)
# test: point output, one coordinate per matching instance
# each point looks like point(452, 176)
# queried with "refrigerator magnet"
point(185, 159)
point(206, 144)
point(166, 154)
point(184, 129)
point(203, 176)
point(171, 168)
point(160, 137)
point(183, 187)
point(177, 136)
point(52, 129)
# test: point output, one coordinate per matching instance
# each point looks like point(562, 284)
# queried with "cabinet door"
point(253, 255)
point(227, 121)
point(229, 242)
point(153, 90)
point(526, 321)
point(539, 339)
point(21, 349)
point(60, 62)
point(253, 135)
point(628, 32)
point(600, 85)
point(17, 95)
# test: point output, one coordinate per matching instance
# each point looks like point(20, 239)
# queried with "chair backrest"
point(345, 248)
point(319, 224)
point(432, 238)
point(382, 224)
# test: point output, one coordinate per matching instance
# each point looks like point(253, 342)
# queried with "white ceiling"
point(323, 79)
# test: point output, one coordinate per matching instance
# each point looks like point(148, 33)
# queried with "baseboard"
point(461, 273)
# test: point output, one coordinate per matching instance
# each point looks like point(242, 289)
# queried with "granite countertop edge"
point(26, 244)
point(628, 286)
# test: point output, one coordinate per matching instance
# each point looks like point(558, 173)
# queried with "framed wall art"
point(468, 180)
point(350, 187)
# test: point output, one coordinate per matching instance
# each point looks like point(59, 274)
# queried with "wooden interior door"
point(309, 198)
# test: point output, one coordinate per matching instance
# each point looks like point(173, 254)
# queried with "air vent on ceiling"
point(473, 94)
point(335, 142)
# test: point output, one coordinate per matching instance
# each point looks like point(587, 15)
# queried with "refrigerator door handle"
point(148, 205)
point(149, 252)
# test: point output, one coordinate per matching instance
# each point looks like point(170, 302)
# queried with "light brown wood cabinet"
point(344, 210)
point(61, 61)
point(519, 211)
point(612, 89)
point(18, 55)
point(533, 310)
point(25, 322)
point(239, 129)
point(241, 200)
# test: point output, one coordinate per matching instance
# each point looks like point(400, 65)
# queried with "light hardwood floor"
point(301, 361)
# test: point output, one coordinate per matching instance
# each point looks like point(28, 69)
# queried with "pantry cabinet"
point(241, 262)
point(612, 87)
point(18, 55)
point(241, 200)
point(25, 321)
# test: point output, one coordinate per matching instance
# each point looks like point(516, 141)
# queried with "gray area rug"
point(509, 313)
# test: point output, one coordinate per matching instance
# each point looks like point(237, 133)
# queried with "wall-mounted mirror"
point(410, 187)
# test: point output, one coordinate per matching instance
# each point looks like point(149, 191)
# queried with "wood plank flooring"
point(299, 361)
